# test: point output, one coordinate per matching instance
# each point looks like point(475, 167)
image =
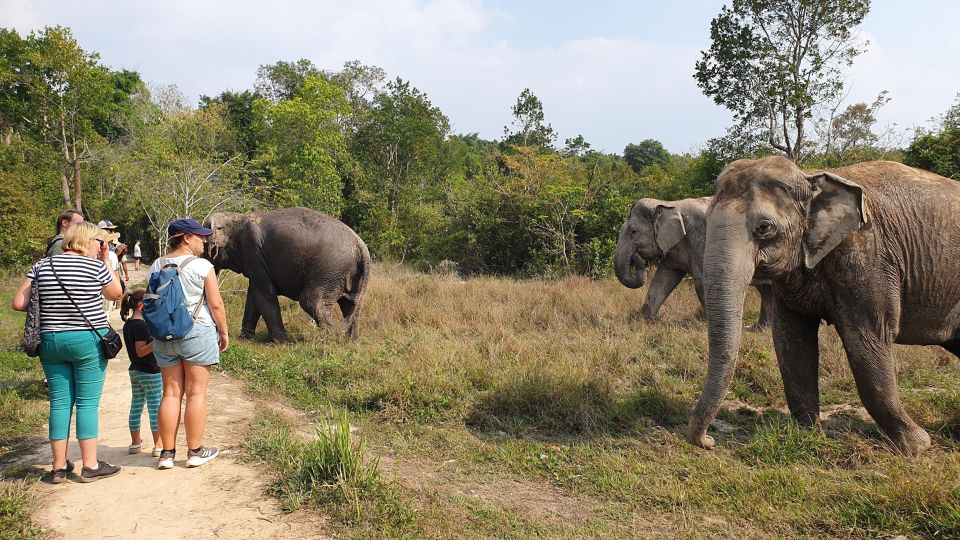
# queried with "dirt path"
point(222, 499)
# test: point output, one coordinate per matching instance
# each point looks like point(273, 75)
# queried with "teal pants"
point(75, 367)
point(147, 390)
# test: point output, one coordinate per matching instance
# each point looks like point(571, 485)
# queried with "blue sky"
point(615, 72)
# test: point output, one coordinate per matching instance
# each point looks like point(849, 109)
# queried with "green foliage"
point(938, 150)
point(646, 153)
point(15, 522)
point(330, 471)
point(529, 123)
point(301, 147)
point(784, 443)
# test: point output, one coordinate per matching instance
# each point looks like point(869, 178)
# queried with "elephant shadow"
point(554, 409)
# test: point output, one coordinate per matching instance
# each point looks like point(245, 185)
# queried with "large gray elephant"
point(673, 235)
point(873, 249)
point(299, 253)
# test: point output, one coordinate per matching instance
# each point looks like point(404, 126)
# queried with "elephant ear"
point(668, 227)
point(837, 209)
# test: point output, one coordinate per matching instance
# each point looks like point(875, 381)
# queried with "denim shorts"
point(201, 346)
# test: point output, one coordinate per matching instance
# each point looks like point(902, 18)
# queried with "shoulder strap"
point(74, 302)
point(203, 297)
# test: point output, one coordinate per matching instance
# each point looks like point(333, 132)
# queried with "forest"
point(371, 149)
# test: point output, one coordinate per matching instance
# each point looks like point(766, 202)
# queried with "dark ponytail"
point(129, 301)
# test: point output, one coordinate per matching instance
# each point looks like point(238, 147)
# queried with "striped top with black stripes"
point(82, 277)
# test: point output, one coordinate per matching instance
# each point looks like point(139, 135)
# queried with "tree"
point(400, 145)
point(283, 80)
point(178, 168)
point(772, 62)
point(646, 153)
point(938, 149)
point(529, 123)
point(301, 146)
point(575, 147)
point(70, 94)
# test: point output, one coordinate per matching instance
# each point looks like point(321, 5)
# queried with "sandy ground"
point(222, 499)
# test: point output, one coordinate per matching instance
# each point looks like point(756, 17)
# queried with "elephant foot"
point(280, 339)
point(246, 335)
point(703, 441)
point(912, 443)
point(647, 314)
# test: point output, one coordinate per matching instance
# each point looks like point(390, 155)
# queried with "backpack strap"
point(203, 297)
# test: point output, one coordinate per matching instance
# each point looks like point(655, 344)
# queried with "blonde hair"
point(77, 238)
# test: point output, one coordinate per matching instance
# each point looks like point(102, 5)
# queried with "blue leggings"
point(75, 367)
point(147, 390)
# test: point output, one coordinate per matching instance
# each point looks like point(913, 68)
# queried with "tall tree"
point(528, 123)
point(645, 153)
point(283, 80)
point(772, 62)
point(938, 149)
point(70, 95)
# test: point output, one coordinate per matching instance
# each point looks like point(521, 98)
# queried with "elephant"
point(673, 234)
point(871, 249)
point(299, 253)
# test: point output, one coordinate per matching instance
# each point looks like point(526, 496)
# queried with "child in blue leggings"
point(145, 379)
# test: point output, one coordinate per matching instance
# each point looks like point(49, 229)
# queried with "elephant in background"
point(873, 249)
point(673, 234)
point(299, 253)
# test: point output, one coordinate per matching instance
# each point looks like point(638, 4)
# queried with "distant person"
point(120, 253)
point(137, 255)
point(185, 363)
point(108, 225)
point(66, 219)
point(113, 261)
point(146, 382)
point(71, 355)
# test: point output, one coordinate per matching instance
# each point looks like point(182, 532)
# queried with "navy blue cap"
point(187, 226)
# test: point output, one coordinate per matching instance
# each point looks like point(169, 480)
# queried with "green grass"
point(23, 409)
point(561, 385)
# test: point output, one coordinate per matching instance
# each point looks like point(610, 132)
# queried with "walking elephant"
point(671, 234)
point(299, 253)
point(871, 248)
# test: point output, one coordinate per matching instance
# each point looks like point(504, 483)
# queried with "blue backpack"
point(164, 306)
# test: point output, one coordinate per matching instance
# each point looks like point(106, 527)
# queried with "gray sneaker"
point(59, 476)
point(103, 470)
point(198, 458)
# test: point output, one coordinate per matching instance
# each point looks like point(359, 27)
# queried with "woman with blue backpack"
point(187, 319)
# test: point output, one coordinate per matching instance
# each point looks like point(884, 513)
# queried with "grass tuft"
point(783, 442)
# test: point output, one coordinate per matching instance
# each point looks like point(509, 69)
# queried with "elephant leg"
point(664, 281)
point(796, 341)
point(953, 346)
point(265, 297)
point(251, 316)
point(874, 371)
point(347, 307)
point(766, 308)
point(319, 305)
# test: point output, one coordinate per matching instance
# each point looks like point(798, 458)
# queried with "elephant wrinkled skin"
point(671, 234)
point(872, 248)
point(299, 253)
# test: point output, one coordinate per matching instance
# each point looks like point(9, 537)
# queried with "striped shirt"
point(84, 278)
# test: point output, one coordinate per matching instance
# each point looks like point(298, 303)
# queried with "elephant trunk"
point(727, 270)
point(629, 267)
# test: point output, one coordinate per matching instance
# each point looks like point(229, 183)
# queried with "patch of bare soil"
point(222, 499)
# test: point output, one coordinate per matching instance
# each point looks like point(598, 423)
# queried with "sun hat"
point(187, 226)
point(106, 224)
point(107, 236)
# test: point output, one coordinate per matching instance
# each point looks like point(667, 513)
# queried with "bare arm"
point(211, 290)
point(143, 348)
point(22, 296)
point(112, 290)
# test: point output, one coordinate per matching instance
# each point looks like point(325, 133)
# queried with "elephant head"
point(652, 228)
point(769, 219)
point(221, 247)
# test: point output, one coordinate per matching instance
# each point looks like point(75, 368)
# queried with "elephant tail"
point(358, 289)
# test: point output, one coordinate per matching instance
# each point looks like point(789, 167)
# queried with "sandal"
point(134, 448)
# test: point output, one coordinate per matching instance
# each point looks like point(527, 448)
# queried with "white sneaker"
point(166, 460)
point(198, 458)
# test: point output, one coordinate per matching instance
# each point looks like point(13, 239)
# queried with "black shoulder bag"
point(31, 327)
point(111, 341)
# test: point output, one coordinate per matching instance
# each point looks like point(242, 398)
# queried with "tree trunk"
point(77, 194)
point(65, 187)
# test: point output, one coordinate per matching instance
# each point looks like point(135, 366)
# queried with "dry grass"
point(499, 380)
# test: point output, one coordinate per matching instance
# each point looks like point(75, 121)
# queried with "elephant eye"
point(765, 229)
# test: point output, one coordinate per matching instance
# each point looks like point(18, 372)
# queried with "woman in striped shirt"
point(71, 355)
